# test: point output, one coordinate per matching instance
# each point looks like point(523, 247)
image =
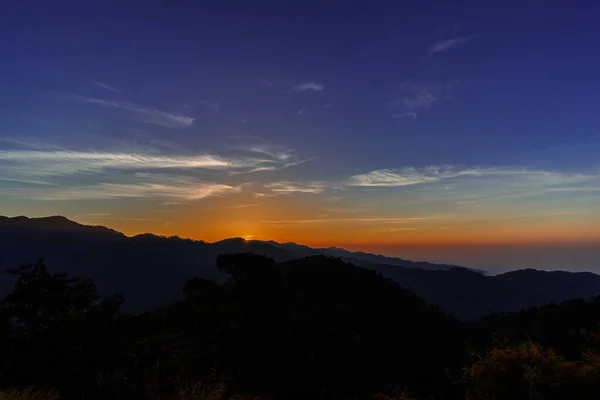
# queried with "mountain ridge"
point(60, 222)
point(151, 269)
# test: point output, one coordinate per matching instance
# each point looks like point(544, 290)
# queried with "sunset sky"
point(373, 125)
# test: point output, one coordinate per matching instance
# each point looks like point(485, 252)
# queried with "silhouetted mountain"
point(468, 294)
point(360, 258)
point(150, 270)
point(55, 222)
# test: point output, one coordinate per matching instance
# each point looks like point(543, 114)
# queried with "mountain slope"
point(359, 258)
point(150, 270)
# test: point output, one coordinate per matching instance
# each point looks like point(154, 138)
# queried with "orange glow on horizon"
point(324, 235)
point(318, 224)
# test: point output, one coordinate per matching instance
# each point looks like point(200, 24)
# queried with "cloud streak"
point(392, 220)
point(309, 87)
point(104, 86)
point(279, 154)
point(61, 174)
point(405, 115)
point(46, 163)
point(185, 190)
point(174, 175)
point(417, 96)
point(286, 188)
point(211, 104)
point(413, 176)
point(16, 164)
point(445, 45)
point(146, 114)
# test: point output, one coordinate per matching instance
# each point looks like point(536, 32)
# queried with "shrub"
point(28, 394)
point(526, 371)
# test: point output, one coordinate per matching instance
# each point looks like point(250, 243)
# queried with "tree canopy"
point(315, 327)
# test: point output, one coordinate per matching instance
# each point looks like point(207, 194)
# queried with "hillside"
point(308, 328)
point(151, 270)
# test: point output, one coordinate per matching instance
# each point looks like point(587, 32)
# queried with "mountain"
point(358, 258)
point(365, 259)
point(55, 222)
point(150, 270)
point(468, 294)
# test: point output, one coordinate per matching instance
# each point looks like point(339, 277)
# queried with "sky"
point(401, 127)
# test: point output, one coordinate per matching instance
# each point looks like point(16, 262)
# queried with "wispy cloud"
point(244, 206)
point(93, 215)
point(448, 44)
point(575, 189)
point(171, 176)
point(187, 190)
point(25, 181)
point(414, 97)
point(172, 203)
point(282, 155)
point(405, 115)
point(283, 188)
point(147, 114)
point(113, 218)
point(337, 210)
point(393, 224)
point(390, 230)
point(52, 163)
point(413, 176)
point(211, 104)
point(30, 143)
point(388, 220)
point(387, 177)
point(309, 86)
point(300, 111)
point(276, 152)
point(46, 163)
point(104, 86)
point(286, 188)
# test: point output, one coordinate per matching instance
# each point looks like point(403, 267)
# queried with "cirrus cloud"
point(309, 86)
point(445, 45)
point(104, 86)
point(413, 176)
point(182, 190)
point(146, 114)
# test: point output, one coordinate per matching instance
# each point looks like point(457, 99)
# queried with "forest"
point(309, 328)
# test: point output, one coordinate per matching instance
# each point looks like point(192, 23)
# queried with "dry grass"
point(205, 391)
point(198, 391)
point(28, 394)
point(397, 394)
point(201, 391)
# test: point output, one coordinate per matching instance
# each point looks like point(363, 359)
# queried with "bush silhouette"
point(309, 328)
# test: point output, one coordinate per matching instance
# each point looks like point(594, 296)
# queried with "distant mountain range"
point(150, 270)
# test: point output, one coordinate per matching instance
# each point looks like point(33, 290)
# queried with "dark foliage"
point(314, 327)
point(56, 330)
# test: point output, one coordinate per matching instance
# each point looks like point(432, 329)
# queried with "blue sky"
point(313, 118)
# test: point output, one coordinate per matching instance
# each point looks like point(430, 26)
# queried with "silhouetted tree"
point(59, 331)
point(315, 327)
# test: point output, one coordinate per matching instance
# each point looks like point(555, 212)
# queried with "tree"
point(59, 331)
